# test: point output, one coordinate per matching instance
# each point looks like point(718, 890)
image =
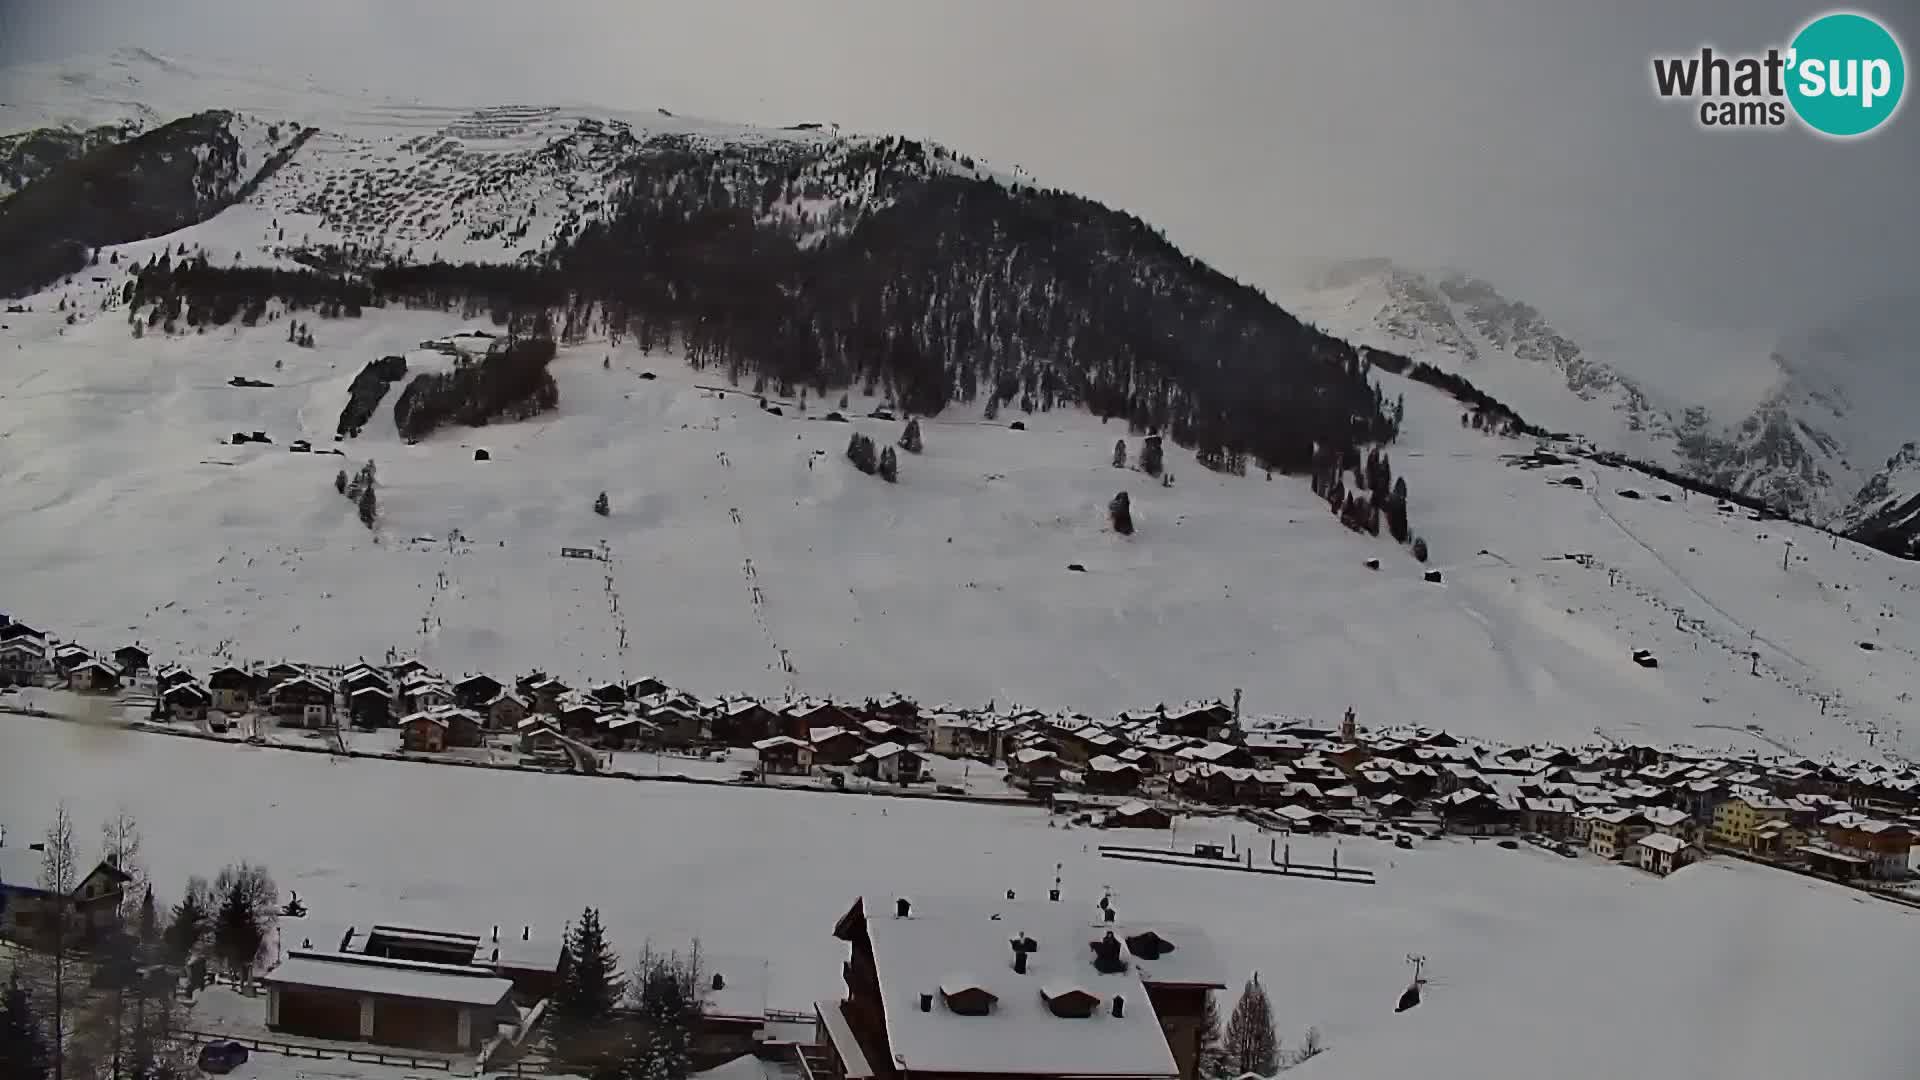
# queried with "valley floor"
point(1722, 969)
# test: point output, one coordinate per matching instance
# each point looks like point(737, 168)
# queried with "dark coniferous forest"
point(945, 289)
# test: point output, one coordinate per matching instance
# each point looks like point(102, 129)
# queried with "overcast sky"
point(1519, 139)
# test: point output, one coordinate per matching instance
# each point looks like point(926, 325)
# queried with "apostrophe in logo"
point(1847, 74)
point(1843, 75)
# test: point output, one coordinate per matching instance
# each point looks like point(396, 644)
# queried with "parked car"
point(222, 1056)
point(1510, 845)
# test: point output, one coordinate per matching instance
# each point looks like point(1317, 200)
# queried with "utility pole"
point(1419, 964)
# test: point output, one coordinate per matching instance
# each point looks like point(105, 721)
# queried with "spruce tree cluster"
point(910, 438)
point(508, 384)
point(1250, 1045)
point(860, 451)
point(889, 465)
point(580, 1027)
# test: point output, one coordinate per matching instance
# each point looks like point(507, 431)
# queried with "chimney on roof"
point(1109, 914)
point(496, 931)
point(525, 931)
point(1009, 894)
point(926, 1002)
point(1019, 959)
point(496, 954)
point(902, 908)
point(719, 981)
point(1119, 1006)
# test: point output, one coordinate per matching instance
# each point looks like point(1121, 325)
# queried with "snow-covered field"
point(738, 537)
point(1565, 964)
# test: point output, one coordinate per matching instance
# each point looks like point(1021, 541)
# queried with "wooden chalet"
point(889, 763)
point(303, 701)
point(370, 706)
point(506, 710)
point(1005, 989)
point(646, 687)
point(93, 676)
point(476, 691)
point(423, 733)
point(188, 701)
point(92, 908)
point(835, 746)
point(742, 723)
point(784, 755)
point(352, 997)
point(132, 659)
point(233, 689)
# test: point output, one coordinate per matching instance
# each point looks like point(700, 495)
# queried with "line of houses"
point(1848, 820)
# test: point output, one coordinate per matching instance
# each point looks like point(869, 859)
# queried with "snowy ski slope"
point(741, 543)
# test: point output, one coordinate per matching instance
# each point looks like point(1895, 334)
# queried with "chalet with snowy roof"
point(362, 677)
point(233, 689)
point(1137, 814)
point(132, 658)
point(675, 725)
point(349, 996)
point(370, 706)
point(580, 718)
point(1215, 753)
point(1547, 816)
point(1016, 989)
point(1660, 853)
point(304, 701)
point(545, 693)
point(1109, 775)
point(68, 656)
point(400, 669)
point(625, 731)
point(93, 676)
point(742, 722)
point(1611, 834)
point(804, 716)
point(505, 710)
point(1196, 719)
point(784, 755)
point(187, 701)
point(93, 906)
point(1476, 813)
point(475, 691)
point(889, 763)
point(1736, 817)
point(423, 733)
point(15, 630)
point(902, 712)
point(1885, 847)
point(169, 677)
point(835, 746)
point(646, 687)
point(1035, 763)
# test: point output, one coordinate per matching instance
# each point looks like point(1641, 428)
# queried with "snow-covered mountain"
point(1827, 407)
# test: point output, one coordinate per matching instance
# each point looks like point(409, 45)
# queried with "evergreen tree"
point(148, 925)
point(340, 481)
point(1151, 456)
point(1120, 511)
point(1420, 549)
point(238, 934)
point(910, 438)
point(667, 992)
point(1250, 1044)
point(1120, 453)
point(860, 451)
point(889, 466)
point(190, 921)
point(583, 1004)
point(1397, 511)
point(1213, 1056)
point(24, 1054)
point(369, 507)
point(600, 505)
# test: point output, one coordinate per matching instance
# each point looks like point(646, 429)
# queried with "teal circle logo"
point(1846, 74)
